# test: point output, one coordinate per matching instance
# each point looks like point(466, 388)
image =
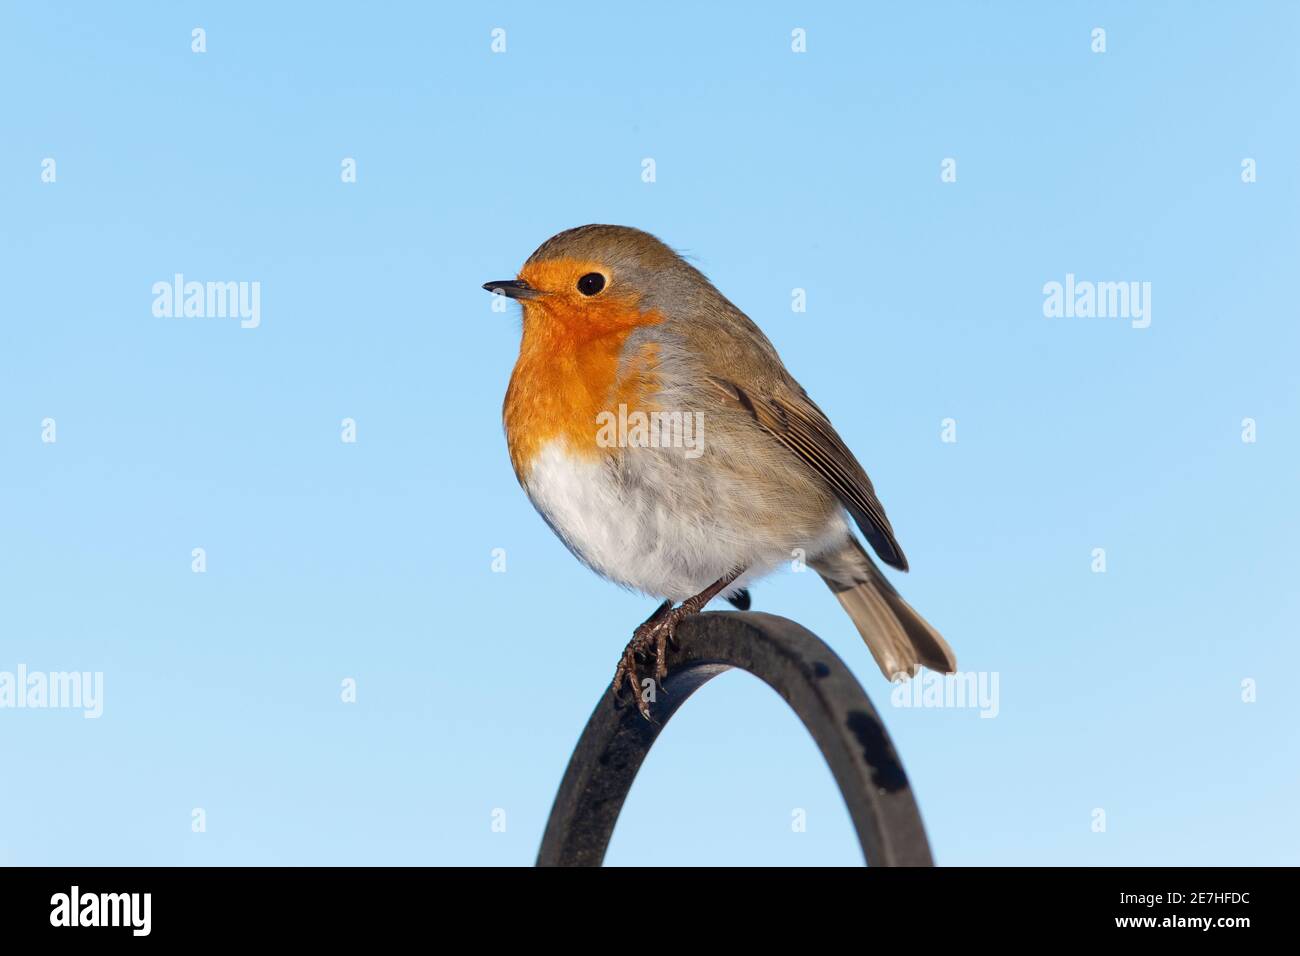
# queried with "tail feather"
point(899, 638)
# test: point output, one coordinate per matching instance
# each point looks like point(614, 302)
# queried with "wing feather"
point(798, 424)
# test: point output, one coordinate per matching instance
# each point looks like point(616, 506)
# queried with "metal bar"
point(809, 677)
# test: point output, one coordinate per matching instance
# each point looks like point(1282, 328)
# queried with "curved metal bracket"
point(813, 681)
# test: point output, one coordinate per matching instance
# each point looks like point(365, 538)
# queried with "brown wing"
point(804, 429)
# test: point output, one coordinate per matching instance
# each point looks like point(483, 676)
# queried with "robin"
point(654, 427)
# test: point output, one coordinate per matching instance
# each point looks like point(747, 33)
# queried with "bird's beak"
point(511, 289)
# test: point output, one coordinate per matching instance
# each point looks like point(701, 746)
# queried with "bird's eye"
point(591, 283)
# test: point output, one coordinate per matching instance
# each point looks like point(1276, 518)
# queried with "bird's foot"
point(656, 634)
point(649, 643)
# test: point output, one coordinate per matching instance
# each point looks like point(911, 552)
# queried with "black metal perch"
point(813, 681)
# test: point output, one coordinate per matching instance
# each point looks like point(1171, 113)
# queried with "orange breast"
point(570, 369)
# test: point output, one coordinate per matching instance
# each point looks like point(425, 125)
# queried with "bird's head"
point(597, 279)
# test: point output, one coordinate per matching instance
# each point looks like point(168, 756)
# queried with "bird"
point(657, 432)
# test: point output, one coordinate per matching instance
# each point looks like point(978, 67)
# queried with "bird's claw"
point(650, 641)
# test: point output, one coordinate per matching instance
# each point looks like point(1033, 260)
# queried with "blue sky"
point(1120, 691)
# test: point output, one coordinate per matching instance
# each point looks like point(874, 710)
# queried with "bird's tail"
point(899, 639)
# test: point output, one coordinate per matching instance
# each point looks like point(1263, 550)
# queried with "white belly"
point(661, 527)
